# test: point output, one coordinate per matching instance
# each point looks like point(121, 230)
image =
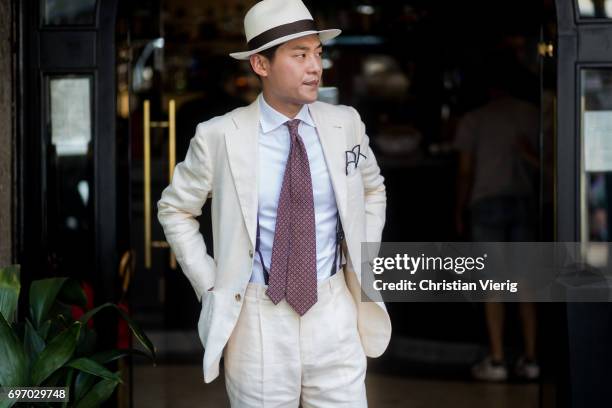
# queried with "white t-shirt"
point(492, 134)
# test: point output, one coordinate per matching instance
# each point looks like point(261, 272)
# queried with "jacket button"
point(251, 253)
point(237, 297)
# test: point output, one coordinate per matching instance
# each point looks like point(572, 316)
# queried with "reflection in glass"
point(70, 115)
point(595, 8)
point(596, 128)
point(69, 170)
point(69, 12)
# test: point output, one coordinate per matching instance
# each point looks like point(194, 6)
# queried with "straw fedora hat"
point(272, 22)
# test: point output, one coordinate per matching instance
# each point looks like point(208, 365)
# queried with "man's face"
point(295, 72)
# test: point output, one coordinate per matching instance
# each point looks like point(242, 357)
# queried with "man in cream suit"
point(295, 190)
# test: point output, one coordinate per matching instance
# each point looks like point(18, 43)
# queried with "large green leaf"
point(87, 342)
point(33, 344)
point(56, 325)
point(42, 296)
point(60, 312)
point(92, 367)
point(13, 361)
point(57, 378)
point(59, 350)
point(68, 384)
point(98, 394)
point(82, 384)
point(43, 329)
point(104, 357)
point(136, 330)
point(72, 293)
point(9, 291)
point(7, 403)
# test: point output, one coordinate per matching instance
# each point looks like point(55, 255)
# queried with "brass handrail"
point(147, 125)
point(147, 181)
point(172, 156)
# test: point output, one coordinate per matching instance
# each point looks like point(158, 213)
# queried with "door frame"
point(35, 65)
point(582, 43)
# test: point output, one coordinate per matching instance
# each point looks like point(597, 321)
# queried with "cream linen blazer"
point(221, 164)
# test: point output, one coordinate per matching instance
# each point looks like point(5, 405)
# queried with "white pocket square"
point(352, 158)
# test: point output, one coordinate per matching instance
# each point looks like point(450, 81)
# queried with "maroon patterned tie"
point(293, 269)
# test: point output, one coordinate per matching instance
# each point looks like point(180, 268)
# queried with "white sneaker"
point(527, 370)
point(487, 370)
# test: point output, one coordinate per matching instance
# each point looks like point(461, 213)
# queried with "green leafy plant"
point(50, 348)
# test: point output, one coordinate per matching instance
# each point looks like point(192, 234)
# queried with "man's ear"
point(260, 64)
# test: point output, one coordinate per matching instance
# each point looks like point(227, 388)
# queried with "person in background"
point(495, 187)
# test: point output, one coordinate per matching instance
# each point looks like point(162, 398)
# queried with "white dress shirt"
point(274, 143)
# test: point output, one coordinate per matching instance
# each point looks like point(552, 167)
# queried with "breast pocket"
point(354, 184)
point(356, 202)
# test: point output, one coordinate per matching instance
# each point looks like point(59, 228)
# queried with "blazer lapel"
point(242, 151)
point(243, 155)
point(333, 142)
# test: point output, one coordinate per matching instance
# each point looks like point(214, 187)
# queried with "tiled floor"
point(178, 386)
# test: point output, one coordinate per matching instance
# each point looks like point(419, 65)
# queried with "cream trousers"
point(275, 358)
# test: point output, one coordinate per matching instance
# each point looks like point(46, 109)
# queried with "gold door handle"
point(172, 156)
point(126, 270)
point(147, 125)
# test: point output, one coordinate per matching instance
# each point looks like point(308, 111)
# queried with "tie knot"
point(293, 125)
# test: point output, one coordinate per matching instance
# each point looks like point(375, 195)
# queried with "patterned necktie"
point(293, 269)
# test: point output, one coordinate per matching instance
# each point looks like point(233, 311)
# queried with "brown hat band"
point(281, 31)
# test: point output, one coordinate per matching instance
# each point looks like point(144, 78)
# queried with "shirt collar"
point(270, 118)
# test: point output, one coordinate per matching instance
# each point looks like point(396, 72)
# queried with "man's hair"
point(269, 53)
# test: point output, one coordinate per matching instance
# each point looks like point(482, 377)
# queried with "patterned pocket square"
point(352, 157)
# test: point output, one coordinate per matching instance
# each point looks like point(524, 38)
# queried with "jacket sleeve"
point(374, 188)
point(180, 203)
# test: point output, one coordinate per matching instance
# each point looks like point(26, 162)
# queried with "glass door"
point(175, 74)
point(583, 178)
